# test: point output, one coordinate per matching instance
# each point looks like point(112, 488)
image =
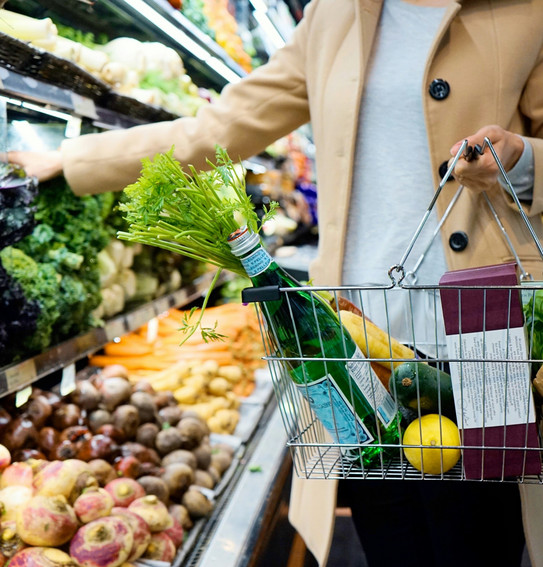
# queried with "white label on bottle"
point(257, 262)
point(335, 412)
point(487, 392)
point(371, 387)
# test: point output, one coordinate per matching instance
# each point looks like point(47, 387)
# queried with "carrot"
point(244, 388)
point(127, 348)
point(147, 362)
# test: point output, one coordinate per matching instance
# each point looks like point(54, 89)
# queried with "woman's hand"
point(42, 165)
point(481, 173)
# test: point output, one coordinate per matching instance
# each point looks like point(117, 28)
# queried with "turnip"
point(42, 557)
point(46, 521)
point(94, 503)
point(176, 533)
point(153, 511)
point(5, 457)
point(102, 471)
point(12, 498)
point(124, 491)
point(181, 514)
point(106, 542)
point(10, 542)
point(67, 478)
point(140, 531)
point(17, 474)
point(160, 548)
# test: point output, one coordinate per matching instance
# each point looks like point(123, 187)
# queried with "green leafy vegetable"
point(39, 283)
point(192, 215)
point(533, 314)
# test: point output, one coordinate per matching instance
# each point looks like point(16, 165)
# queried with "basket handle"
point(397, 272)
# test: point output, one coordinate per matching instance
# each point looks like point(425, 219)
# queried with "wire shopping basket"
point(456, 398)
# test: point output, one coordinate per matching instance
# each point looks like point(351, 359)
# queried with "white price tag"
point(152, 330)
point(67, 382)
point(84, 106)
point(73, 127)
point(22, 396)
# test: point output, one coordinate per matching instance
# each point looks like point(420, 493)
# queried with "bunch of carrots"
point(155, 347)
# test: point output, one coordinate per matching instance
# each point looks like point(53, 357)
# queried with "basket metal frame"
point(314, 453)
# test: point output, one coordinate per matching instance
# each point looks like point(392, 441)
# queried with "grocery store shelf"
point(109, 111)
point(151, 20)
point(22, 374)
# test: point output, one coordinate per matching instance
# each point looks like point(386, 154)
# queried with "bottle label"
point(257, 262)
point(372, 388)
point(335, 412)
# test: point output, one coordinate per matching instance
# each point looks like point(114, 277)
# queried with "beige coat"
point(490, 53)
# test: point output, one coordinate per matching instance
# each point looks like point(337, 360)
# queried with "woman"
point(480, 73)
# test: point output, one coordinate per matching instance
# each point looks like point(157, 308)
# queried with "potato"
point(231, 372)
point(197, 504)
point(181, 456)
point(187, 394)
point(178, 477)
point(218, 386)
point(156, 486)
point(192, 431)
point(203, 479)
point(168, 440)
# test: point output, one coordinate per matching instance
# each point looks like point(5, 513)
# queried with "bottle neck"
point(248, 247)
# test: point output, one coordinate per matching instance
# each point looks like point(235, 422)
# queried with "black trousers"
point(434, 523)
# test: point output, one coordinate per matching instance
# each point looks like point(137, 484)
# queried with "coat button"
point(443, 170)
point(458, 241)
point(439, 89)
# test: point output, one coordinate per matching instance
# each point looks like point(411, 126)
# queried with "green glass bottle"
point(342, 390)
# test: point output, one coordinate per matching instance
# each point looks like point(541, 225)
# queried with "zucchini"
point(423, 388)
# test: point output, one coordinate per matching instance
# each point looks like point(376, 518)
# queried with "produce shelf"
point(17, 376)
point(204, 58)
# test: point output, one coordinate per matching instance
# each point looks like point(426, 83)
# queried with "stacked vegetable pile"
point(214, 19)
point(20, 312)
point(207, 378)
point(122, 435)
point(55, 266)
point(58, 513)
point(149, 72)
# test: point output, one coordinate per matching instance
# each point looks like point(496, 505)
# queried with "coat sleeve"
point(531, 107)
point(249, 115)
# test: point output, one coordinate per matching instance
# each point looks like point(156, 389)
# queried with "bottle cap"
point(243, 240)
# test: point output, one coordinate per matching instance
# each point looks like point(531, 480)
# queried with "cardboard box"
point(493, 396)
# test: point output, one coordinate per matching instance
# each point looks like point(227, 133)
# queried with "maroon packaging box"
point(492, 393)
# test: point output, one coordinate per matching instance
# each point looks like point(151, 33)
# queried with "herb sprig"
point(191, 214)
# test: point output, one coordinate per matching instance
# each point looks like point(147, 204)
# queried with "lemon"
point(432, 431)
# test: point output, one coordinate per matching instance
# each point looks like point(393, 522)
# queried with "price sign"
point(84, 106)
point(21, 375)
point(22, 396)
point(67, 382)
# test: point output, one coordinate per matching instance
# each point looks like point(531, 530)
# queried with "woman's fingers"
point(480, 172)
point(42, 165)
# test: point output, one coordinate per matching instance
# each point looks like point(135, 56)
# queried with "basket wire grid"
point(494, 454)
